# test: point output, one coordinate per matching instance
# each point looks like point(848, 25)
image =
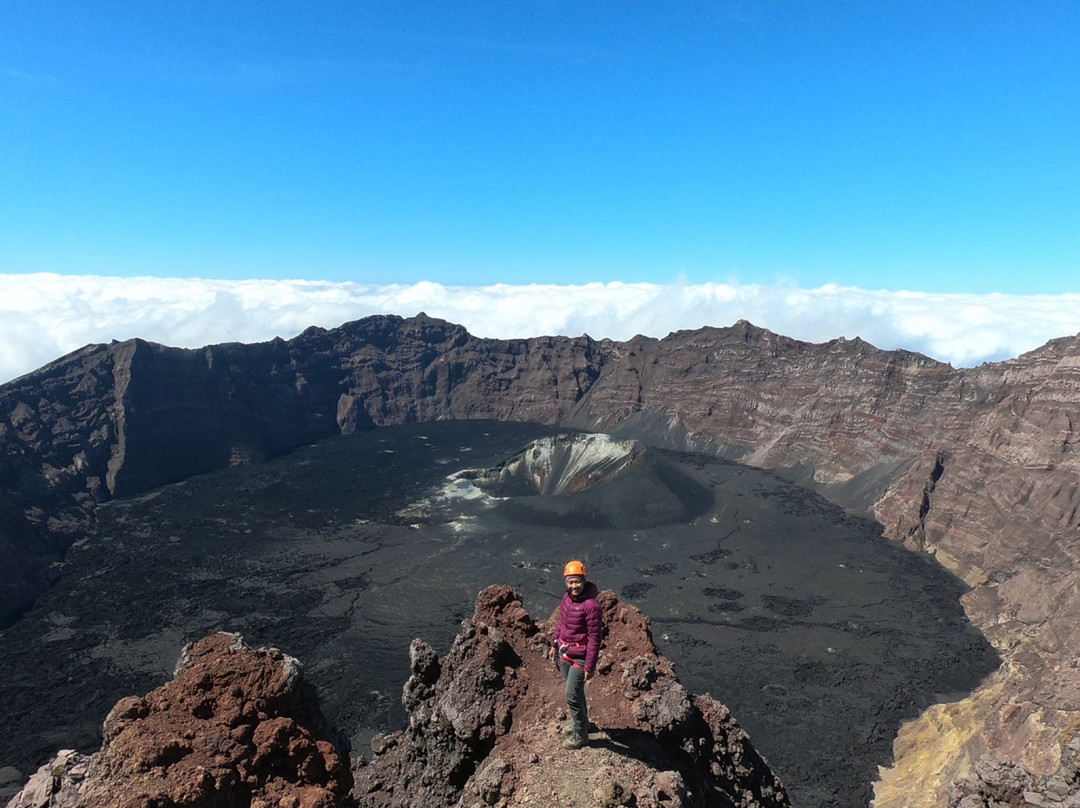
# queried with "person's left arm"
point(594, 624)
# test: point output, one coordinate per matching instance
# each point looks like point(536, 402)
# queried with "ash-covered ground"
point(821, 636)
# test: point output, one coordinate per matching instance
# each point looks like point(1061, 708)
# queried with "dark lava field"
point(821, 636)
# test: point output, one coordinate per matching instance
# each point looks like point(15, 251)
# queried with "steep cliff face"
point(843, 407)
point(976, 466)
point(56, 438)
point(997, 502)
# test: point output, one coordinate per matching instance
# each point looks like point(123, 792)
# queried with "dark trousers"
point(575, 697)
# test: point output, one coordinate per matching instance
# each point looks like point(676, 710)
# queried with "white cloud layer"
point(44, 316)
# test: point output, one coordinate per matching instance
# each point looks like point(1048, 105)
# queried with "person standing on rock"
point(576, 647)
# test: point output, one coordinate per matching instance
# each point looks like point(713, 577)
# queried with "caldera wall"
point(976, 466)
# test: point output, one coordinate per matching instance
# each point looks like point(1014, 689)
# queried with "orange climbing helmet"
point(573, 568)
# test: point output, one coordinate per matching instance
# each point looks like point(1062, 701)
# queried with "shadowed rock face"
point(978, 467)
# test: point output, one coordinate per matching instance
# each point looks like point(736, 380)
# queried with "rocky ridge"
point(978, 467)
point(239, 726)
point(484, 726)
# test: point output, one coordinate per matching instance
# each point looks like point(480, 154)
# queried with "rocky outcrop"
point(484, 726)
point(235, 726)
point(979, 467)
point(997, 784)
point(238, 726)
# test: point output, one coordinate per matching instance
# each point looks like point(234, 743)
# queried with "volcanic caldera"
point(797, 615)
point(976, 467)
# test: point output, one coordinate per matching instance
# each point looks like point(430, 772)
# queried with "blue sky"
point(886, 145)
point(895, 145)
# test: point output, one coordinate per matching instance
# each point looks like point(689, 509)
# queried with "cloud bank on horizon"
point(45, 316)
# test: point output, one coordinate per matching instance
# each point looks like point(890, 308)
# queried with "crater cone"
point(594, 480)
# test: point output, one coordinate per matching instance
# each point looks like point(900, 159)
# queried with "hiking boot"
point(568, 727)
point(575, 741)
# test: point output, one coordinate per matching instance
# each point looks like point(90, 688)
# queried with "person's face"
point(575, 585)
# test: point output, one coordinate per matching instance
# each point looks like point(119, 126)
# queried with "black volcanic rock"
point(29, 555)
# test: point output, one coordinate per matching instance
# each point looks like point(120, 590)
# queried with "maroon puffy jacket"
point(581, 626)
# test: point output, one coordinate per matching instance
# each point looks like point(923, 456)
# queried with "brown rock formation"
point(238, 726)
point(234, 727)
point(484, 726)
point(979, 466)
point(996, 784)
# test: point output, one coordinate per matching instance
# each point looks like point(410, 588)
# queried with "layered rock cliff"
point(978, 467)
